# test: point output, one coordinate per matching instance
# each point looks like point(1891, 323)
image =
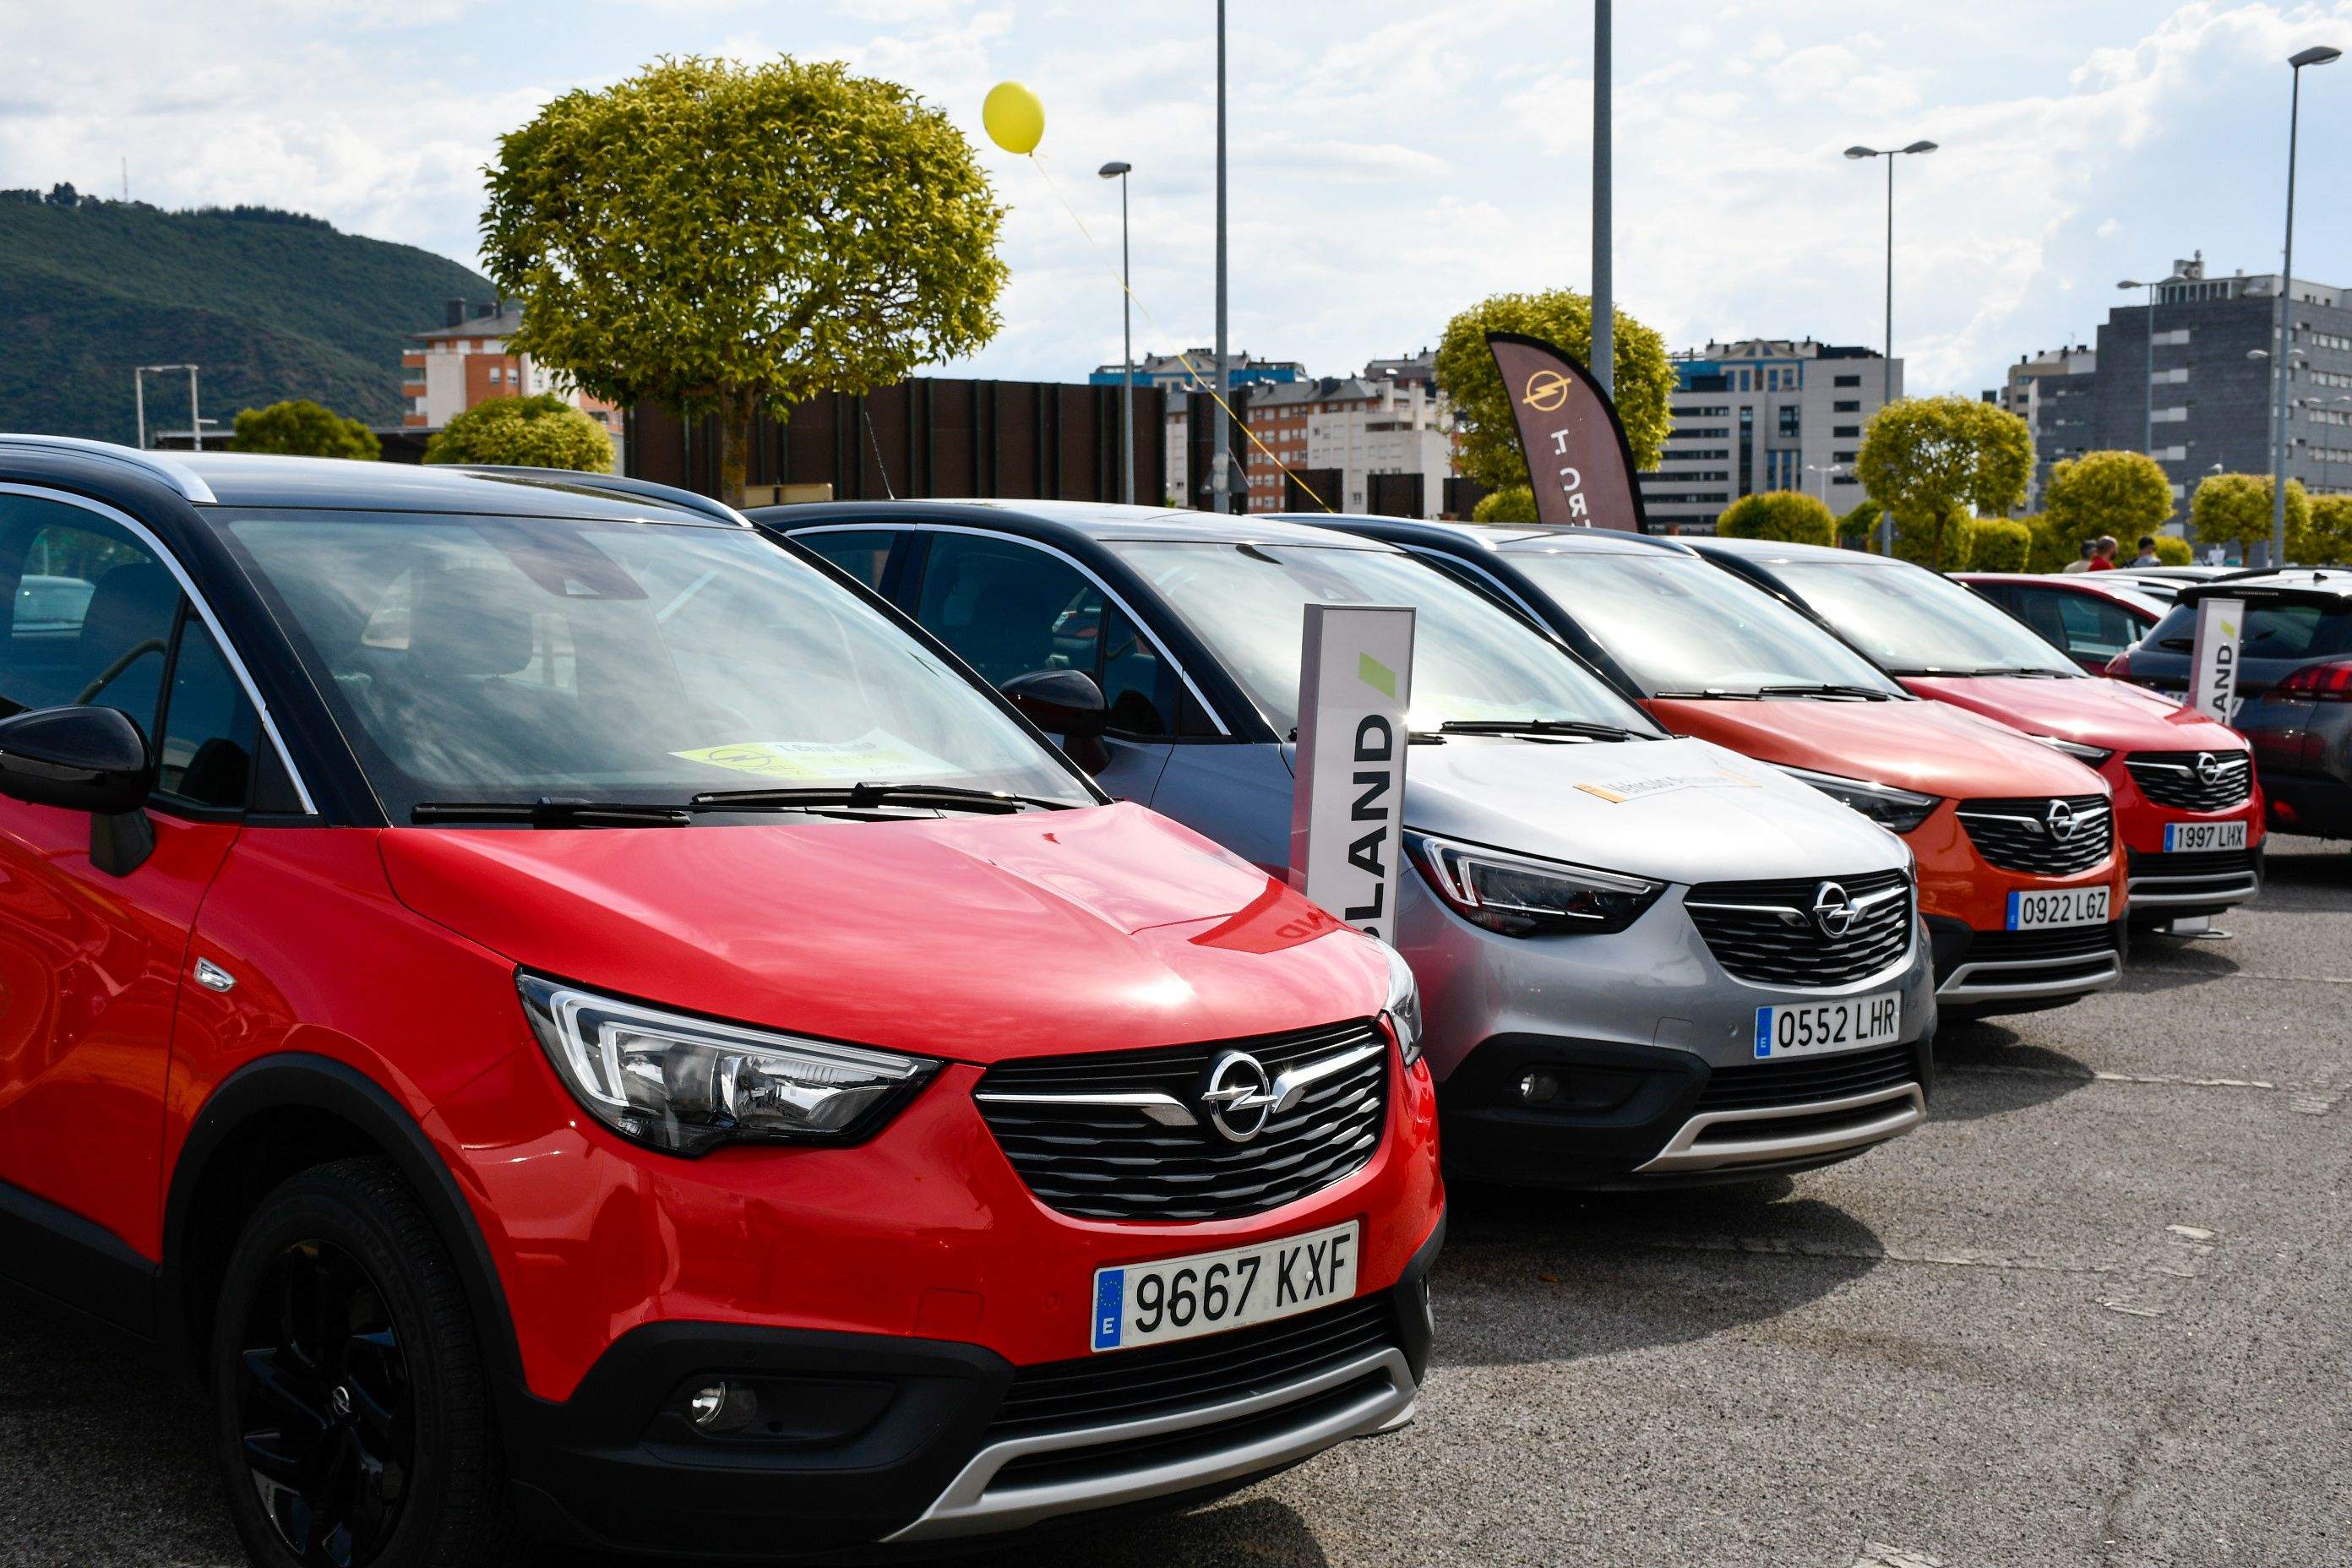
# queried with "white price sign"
point(2213, 685)
point(1347, 818)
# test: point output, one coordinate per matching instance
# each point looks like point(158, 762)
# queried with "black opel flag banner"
point(1578, 458)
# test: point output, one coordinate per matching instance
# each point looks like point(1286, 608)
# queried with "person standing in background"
point(2103, 554)
point(2146, 557)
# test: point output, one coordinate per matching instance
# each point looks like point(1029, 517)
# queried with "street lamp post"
point(1221, 458)
point(1119, 172)
point(2318, 55)
point(2148, 435)
point(1886, 384)
point(1825, 470)
point(2280, 417)
point(1605, 304)
point(139, 400)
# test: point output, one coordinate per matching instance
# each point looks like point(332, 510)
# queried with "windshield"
point(492, 659)
point(1679, 625)
point(1473, 661)
point(1913, 622)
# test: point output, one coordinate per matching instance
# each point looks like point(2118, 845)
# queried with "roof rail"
point(171, 470)
point(615, 484)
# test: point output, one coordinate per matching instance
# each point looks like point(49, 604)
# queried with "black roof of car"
point(252, 480)
point(1098, 521)
point(2296, 582)
point(1507, 539)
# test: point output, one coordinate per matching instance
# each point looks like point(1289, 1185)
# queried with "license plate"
point(2192, 837)
point(1151, 1303)
point(1807, 1028)
point(2058, 907)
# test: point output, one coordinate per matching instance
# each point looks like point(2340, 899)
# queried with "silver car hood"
point(1681, 811)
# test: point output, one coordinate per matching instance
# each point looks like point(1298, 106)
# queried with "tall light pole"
point(1605, 302)
point(139, 400)
point(2318, 55)
point(1221, 456)
point(1887, 383)
point(1825, 470)
point(2147, 425)
point(1119, 172)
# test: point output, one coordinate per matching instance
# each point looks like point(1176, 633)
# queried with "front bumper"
point(2170, 886)
point(1991, 971)
point(907, 1442)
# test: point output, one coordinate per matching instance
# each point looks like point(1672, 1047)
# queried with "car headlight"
point(686, 1085)
point(2089, 757)
point(1522, 897)
point(1896, 810)
point(1402, 1009)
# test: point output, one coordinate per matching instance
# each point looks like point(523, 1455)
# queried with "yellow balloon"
point(1014, 119)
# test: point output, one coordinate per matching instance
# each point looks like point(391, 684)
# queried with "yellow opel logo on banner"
point(1546, 390)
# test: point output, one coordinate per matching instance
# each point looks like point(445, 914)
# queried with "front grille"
point(2016, 836)
point(1766, 933)
point(2172, 778)
point(2212, 871)
point(1131, 1385)
point(2065, 941)
point(1114, 1162)
point(1808, 1079)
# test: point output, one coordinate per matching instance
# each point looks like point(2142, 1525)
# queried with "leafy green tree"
point(1999, 544)
point(1790, 517)
point(2235, 508)
point(2172, 551)
point(542, 432)
point(299, 427)
point(2047, 551)
point(1927, 459)
point(727, 238)
point(2327, 539)
point(1644, 379)
point(1941, 538)
point(1512, 503)
point(2123, 495)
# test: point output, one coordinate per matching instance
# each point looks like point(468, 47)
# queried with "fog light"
point(1538, 1088)
point(722, 1407)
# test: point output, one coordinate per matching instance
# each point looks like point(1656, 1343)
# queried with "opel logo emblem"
point(1546, 390)
point(2209, 768)
point(1237, 1096)
point(1832, 911)
point(2060, 821)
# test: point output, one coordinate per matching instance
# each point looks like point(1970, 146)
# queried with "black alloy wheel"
point(323, 1402)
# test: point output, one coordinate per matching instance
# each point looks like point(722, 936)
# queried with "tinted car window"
point(91, 612)
point(864, 553)
point(2097, 628)
point(1679, 625)
point(209, 726)
point(477, 659)
point(1472, 658)
point(1913, 622)
point(2275, 628)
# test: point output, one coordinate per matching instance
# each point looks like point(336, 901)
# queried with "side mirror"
point(85, 759)
point(1065, 702)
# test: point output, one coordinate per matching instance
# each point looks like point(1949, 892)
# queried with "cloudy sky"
point(1392, 159)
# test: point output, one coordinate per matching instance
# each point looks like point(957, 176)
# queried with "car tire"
point(353, 1417)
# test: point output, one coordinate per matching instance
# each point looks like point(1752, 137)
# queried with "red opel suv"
point(582, 1023)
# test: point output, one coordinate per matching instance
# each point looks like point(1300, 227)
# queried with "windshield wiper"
point(1588, 728)
point(864, 796)
point(1708, 694)
point(2032, 671)
point(1826, 688)
point(550, 811)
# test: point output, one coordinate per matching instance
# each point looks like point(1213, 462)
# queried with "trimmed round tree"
point(2123, 495)
point(1644, 380)
point(2235, 508)
point(1512, 503)
point(1929, 459)
point(1790, 517)
point(2327, 539)
point(540, 431)
point(727, 238)
point(299, 427)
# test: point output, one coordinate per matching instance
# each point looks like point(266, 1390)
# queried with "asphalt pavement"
point(2098, 1311)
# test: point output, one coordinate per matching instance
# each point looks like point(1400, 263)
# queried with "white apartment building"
point(1765, 413)
point(1361, 445)
point(464, 362)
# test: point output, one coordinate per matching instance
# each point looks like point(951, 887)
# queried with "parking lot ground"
point(2098, 1310)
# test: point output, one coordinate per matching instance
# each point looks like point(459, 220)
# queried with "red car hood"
point(2093, 711)
point(1921, 746)
point(970, 938)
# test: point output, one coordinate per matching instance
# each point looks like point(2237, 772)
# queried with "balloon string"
point(1204, 382)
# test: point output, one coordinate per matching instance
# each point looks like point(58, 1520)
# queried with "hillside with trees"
point(273, 305)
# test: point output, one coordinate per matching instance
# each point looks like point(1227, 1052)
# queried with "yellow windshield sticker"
point(873, 757)
point(1617, 792)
